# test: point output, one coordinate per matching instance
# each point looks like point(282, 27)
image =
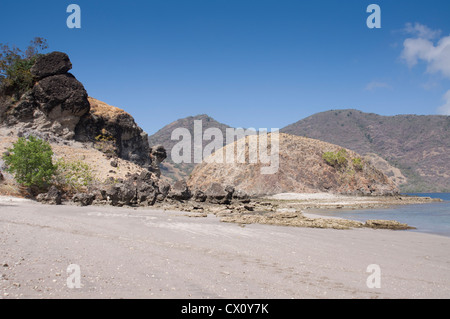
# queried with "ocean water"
point(428, 218)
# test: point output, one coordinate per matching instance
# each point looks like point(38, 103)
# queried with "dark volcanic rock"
point(219, 194)
point(199, 196)
point(146, 189)
point(158, 154)
point(115, 133)
point(51, 64)
point(52, 197)
point(62, 90)
point(138, 189)
point(63, 101)
point(54, 105)
point(241, 196)
point(163, 190)
point(121, 194)
point(179, 191)
point(84, 199)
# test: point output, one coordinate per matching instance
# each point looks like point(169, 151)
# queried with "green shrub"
point(336, 159)
point(73, 176)
point(357, 163)
point(30, 161)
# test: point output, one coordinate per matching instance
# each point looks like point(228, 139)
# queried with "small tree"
point(30, 161)
point(15, 65)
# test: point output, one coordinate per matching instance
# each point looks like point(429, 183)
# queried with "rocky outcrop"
point(84, 199)
point(387, 224)
point(298, 219)
point(51, 64)
point(58, 106)
point(56, 102)
point(217, 193)
point(114, 132)
point(137, 190)
point(61, 102)
point(158, 154)
point(52, 197)
point(179, 191)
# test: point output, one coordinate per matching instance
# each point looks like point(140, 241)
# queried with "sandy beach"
point(150, 253)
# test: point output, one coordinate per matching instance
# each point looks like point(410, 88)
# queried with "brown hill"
point(302, 169)
point(418, 145)
point(178, 171)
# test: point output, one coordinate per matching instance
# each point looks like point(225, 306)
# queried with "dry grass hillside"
point(109, 112)
point(71, 152)
point(418, 145)
point(302, 169)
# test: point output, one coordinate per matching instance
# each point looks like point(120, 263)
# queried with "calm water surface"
point(429, 218)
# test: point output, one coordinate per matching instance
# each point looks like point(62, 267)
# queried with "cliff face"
point(58, 107)
point(53, 105)
point(302, 169)
point(115, 131)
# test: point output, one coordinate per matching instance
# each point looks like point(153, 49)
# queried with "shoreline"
point(289, 209)
point(292, 210)
point(335, 201)
point(150, 253)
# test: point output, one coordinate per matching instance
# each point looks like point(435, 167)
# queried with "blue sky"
point(247, 63)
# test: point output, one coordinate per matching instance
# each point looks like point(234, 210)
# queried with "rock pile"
point(52, 197)
point(146, 189)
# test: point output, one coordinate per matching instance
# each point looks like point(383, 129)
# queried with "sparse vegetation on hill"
point(418, 145)
point(305, 166)
point(336, 159)
point(73, 176)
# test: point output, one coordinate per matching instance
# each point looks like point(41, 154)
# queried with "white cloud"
point(436, 55)
point(445, 109)
point(421, 31)
point(377, 85)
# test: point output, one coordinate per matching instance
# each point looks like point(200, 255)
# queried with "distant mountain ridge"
point(169, 168)
point(414, 150)
point(419, 145)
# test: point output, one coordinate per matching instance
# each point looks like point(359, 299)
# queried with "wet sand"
point(150, 253)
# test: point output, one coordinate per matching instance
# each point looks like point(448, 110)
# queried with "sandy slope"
point(72, 151)
point(148, 253)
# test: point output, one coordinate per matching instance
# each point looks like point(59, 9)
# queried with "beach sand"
point(150, 253)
